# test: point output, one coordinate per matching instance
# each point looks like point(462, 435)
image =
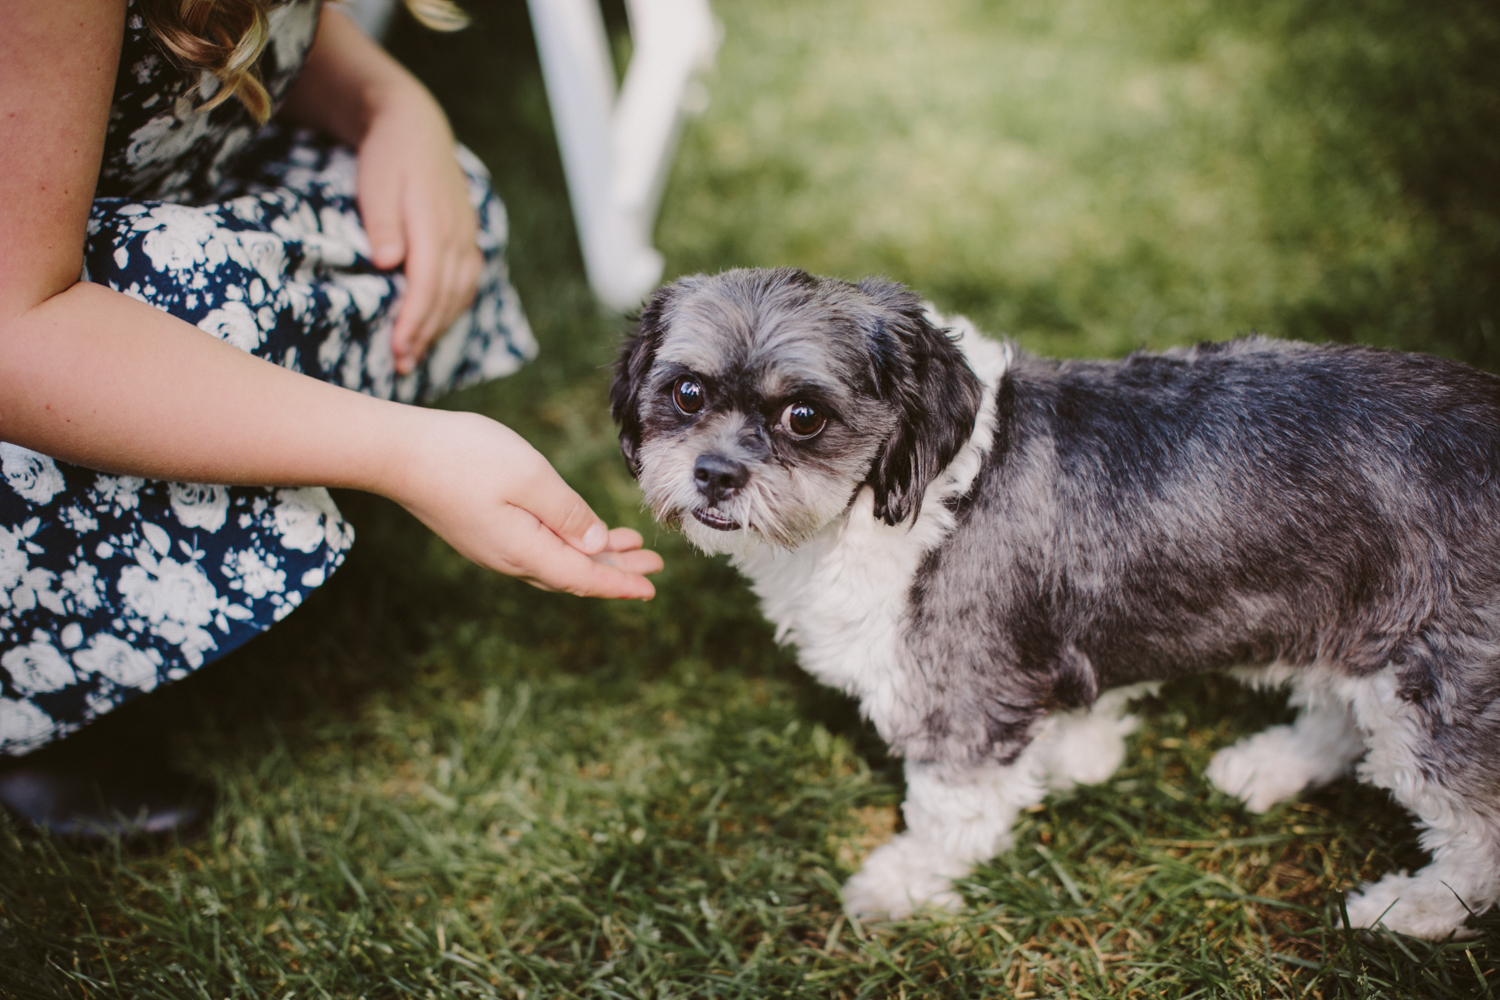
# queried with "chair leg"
point(616, 153)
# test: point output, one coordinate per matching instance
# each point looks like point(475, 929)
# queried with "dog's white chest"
point(841, 598)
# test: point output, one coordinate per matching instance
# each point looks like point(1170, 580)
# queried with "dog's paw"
point(1255, 772)
point(1416, 905)
point(1274, 765)
point(1271, 767)
point(901, 877)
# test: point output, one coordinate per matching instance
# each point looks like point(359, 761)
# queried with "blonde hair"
point(227, 37)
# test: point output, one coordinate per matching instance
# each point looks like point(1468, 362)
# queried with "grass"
point(438, 783)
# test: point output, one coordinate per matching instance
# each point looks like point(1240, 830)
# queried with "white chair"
point(617, 148)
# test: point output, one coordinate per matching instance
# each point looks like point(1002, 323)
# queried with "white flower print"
point(117, 490)
point(352, 371)
point(200, 506)
point(291, 29)
point(247, 209)
point(234, 324)
point(299, 224)
point(508, 315)
point(147, 66)
point(175, 598)
point(166, 590)
point(307, 517)
point(34, 588)
point(234, 140)
point(379, 364)
point(35, 477)
point(116, 659)
point(82, 581)
point(295, 298)
point(288, 606)
point(265, 253)
point(367, 292)
point(99, 700)
point(447, 353)
point(13, 558)
point(23, 586)
point(23, 725)
point(179, 238)
point(342, 237)
point(253, 572)
point(164, 139)
point(36, 667)
point(156, 536)
point(80, 520)
point(334, 344)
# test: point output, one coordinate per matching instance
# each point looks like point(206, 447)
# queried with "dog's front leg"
point(959, 816)
point(955, 818)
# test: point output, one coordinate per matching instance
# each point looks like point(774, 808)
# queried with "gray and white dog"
point(993, 552)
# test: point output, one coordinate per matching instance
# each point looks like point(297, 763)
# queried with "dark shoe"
point(94, 805)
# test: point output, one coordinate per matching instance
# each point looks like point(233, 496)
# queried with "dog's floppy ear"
point(632, 365)
point(936, 394)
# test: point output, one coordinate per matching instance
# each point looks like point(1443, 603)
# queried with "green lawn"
point(437, 783)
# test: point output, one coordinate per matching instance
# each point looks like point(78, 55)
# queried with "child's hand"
point(497, 501)
point(413, 198)
point(414, 202)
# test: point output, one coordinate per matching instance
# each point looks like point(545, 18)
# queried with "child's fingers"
point(458, 281)
point(551, 564)
point(641, 562)
point(415, 313)
point(442, 275)
point(380, 212)
point(562, 511)
point(624, 540)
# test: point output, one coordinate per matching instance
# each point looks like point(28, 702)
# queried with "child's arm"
point(93, 377)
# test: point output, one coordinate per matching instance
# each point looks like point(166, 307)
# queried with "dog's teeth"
point(716, 519)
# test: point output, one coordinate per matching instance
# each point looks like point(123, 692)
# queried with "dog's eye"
point(688, 395)
point(802, 420)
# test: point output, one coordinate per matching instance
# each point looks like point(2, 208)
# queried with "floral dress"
point(112, 585)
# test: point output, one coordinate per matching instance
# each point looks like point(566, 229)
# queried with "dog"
point(994, 552)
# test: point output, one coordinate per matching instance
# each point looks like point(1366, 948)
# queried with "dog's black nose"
point(718, 477)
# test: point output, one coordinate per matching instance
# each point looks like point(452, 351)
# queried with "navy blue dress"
point(112, 585)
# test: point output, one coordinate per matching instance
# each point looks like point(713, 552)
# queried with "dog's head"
point(756, 403)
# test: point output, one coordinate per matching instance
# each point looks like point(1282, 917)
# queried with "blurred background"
point(436, 782)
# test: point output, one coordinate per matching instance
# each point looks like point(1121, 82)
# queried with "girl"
point(257, 308)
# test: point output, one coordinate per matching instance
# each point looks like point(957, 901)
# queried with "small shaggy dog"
point(994, 552)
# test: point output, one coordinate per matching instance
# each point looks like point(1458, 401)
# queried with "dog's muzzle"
point(718, 478)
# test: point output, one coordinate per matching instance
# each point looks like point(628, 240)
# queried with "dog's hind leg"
point(1464, 878)
point(1444, 774)
point(958, 816)
point(1273, 765)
